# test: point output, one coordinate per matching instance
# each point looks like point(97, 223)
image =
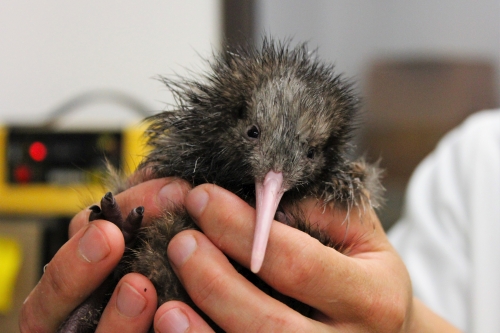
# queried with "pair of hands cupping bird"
point(271, 128)
point(366, 290)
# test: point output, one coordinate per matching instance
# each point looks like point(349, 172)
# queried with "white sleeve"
point(449, 235)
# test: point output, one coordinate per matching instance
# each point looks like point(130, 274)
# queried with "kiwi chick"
point(270, 124)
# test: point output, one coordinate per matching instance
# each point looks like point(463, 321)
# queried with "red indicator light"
point(22, 174)
point(38, 151)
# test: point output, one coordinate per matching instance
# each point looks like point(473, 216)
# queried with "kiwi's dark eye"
point(253, 132)
point(311, 152)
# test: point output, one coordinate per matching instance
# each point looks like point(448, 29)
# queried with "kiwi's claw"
point(95, 213)
point(110, 211)
point(87, 314)
point(132, 224)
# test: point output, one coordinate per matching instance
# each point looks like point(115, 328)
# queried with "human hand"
point(366, 290)
point(91, 253)
point(214, 285)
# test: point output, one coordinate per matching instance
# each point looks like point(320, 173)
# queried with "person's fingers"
point(154, 195)
point(296, 264)
point(131, 307)
point(76, 270)
point(354, 232)
point(175, 316)
point(226, 296)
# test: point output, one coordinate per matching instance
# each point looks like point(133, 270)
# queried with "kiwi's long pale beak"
point(268, 195)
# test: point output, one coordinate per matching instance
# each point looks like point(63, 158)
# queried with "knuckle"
point(59, 285)
point(303, 270)
point(397, 312)
point(223, 235)
point(27, 321)
point(277, 322)
point(212, 284)
point(391, 312)
point(30, 327)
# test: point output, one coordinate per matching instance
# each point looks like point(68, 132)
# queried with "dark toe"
point(132, 224)
point(95, 213)
point(111, 211)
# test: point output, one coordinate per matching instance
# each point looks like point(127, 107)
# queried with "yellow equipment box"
point(57, 173)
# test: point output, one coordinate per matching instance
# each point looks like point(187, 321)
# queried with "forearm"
point(425, 320)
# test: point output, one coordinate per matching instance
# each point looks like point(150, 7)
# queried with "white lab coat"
point(449, 235)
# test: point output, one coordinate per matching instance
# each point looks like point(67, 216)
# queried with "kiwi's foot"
point(109, 210)
point(85, 317)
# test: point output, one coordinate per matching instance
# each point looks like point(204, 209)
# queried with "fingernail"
point(182, 248)
point(173, 321)
point(129, 302)
point(170, 195)
point(198, 199)
point(93, 246)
